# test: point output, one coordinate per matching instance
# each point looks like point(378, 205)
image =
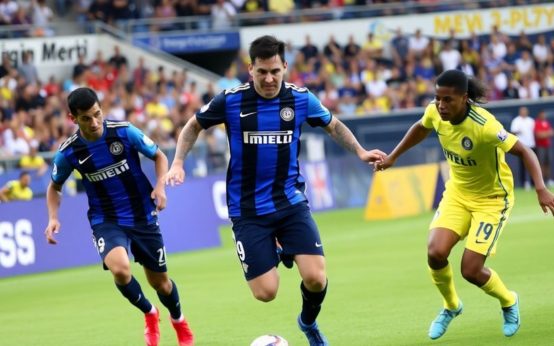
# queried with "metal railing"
point(203, 23)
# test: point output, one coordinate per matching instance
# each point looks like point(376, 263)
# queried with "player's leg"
point(148, 249)
point(299, 236)
point(257, 252)
point(440, 244)
point(487, 225)
point(447, 227)
point(112, 243)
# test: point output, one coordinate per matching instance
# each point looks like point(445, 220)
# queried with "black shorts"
point(146, 243)
point(293, 227)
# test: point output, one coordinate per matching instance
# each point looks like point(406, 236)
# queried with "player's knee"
point(471, 273)
point(121, 272)
point(315, 282)
point(436, 254)
point(265, 295)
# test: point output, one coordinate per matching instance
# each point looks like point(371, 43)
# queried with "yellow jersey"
point(30, 162)
point(17, 192)
point(475, 151)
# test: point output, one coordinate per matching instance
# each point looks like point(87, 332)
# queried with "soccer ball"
point(269, 340)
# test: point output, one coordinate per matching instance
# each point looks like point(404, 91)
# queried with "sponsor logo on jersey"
point(467, 144)
point(287, 114)
point(459, 159)
point(116, 148)
point(108, 172)
point(267, 137)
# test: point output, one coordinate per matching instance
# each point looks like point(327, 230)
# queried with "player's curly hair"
point(475, 89)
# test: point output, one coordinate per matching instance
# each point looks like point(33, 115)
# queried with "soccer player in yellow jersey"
point(478, 197)
point(17, 190)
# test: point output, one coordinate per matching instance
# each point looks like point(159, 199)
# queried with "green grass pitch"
point(379, 292)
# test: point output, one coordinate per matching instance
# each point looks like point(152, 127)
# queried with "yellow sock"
point(443, 279)
point(496, 288)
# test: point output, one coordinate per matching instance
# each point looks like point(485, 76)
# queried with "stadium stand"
point(353, 78)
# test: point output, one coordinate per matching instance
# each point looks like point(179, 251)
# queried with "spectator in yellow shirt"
point(32, 161)
point(17, 189)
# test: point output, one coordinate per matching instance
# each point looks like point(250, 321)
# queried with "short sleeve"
point(61, 169)
point(212, 113)
point(318, 114)
point(141, 142)
point(496, 135)
point(427, 118)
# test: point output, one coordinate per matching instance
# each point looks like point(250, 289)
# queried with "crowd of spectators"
point(376, 76)
point(35, 13)
point(37, 16)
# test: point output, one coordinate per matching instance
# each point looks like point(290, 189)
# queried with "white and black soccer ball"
point(269, 340)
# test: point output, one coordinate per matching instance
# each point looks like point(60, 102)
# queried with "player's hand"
point(159, 196)
point(373, 156)
point(52, 228)
point(386, 163)
point(175, 176)
point(546, 200)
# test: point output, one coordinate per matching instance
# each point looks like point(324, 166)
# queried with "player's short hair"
point(81, 99)
point(475, 89)
point(265, 47)
point(24, 173)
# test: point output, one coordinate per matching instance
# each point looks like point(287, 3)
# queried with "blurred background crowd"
point(351, 78)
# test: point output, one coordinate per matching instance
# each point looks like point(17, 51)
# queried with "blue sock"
point(311, 304)
point(171, 302)
point(133, 292)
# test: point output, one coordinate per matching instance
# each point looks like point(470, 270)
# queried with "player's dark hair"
point(23, 173)
point(475, 89)
point(265, 47)
point(81, 99)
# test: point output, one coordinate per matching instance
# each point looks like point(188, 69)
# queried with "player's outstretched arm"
point(413, 136)
point(158, 194)
point(545, 197)
point(187, 138)
point(345, 138)
point(53, 200)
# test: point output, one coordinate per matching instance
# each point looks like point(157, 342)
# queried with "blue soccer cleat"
point(440, 324)
point(511, 318)
point(314, 335)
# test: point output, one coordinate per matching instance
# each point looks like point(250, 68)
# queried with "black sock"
point(311, 304)
point(133, 292)
point(171, 302)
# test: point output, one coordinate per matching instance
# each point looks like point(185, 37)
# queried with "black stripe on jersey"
point(249, 104)
point(81, 152)
point(476, 117)
point(128, 180)
point(283, 154)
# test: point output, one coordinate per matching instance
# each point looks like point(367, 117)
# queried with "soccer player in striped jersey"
point(479, 194)
point(265, 191)
point(123, 206)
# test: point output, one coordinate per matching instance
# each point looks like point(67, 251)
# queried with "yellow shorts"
point(480, 219)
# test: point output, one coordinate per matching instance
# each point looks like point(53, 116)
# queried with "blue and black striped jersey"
point(264, 139)
point(117, 189)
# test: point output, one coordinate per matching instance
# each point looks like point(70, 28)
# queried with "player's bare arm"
point(187, 138)
point(415, 134)
point(158, 194)
point(53, 201)
point(343, 136)
point(545, 197)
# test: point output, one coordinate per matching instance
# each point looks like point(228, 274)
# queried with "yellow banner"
point(403, 191)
